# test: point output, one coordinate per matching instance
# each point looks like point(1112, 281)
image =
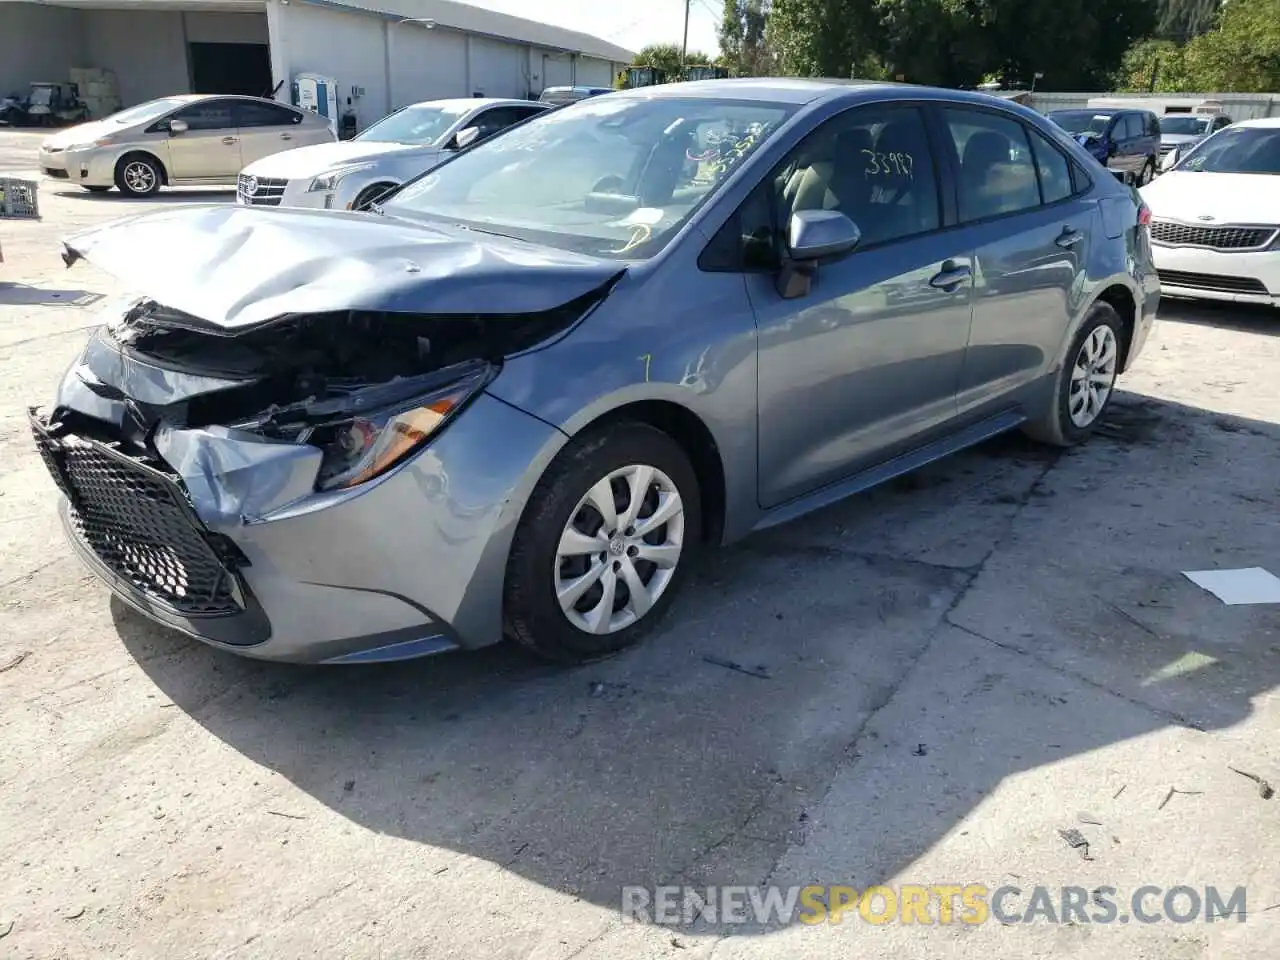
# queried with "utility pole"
point(684, 45)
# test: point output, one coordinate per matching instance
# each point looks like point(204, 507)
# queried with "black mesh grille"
point(1216, 238)
point(1211, 281)
point(137, 521)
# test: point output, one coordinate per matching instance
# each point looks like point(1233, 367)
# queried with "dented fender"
point(234, 477)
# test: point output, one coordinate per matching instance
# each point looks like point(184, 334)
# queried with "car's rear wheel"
point(1086, 382)
point(1147, 174)
point(606, 539)
point(138, 175)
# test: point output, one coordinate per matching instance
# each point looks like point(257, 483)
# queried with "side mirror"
point(177, 126)
point(813, 235)
point(818, 234)
point(465, 137)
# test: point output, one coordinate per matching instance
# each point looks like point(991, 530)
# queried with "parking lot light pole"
point(391, 36)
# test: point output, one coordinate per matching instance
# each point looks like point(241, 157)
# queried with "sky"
point(662, 21)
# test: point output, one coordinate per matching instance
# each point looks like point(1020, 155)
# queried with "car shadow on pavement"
point(1244, 317)
point(25, 295)
point(181, 195)
point(997, 612)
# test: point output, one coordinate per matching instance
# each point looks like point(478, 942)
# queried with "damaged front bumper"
point(287, 447)
point(407, 565)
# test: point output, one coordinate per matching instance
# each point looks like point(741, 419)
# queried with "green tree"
point(744, 46)
point(666, 57)
point(825, 38)
point(1241, 54)
point(1181, 20)
point(1074, 44)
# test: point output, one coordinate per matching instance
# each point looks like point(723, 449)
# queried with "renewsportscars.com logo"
point(938, 903)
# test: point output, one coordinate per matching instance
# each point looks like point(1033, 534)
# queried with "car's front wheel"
point(606, 539)
point(1086, 382)
point(138, 175)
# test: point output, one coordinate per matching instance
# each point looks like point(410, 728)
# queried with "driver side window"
point(207, 115)
point(873, 164)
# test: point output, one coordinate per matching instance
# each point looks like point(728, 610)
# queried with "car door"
point(1129, 155)
point(1016, 194)
point(209, 148)
point(264, 128)
point(866, 363)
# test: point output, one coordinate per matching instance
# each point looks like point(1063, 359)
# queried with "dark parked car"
point(1126, 141)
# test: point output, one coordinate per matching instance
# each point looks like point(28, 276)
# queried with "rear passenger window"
point(997, 170)
point(1153, 125)
point(874, 165)
point(1132, 127)
point(1052, 167)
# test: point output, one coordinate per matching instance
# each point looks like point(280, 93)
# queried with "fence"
point(1238, 106)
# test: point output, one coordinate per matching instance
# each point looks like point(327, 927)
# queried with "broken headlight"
point(367, 446)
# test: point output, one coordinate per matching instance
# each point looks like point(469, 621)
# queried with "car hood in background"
point(1178, 139)
point(233, 268)
point(1225, 197)
point(323, 157)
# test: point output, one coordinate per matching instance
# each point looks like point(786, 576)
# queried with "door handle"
point(950, 277)
point(230, 140)
point(1069, 237)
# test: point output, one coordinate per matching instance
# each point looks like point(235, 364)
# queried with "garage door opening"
point(236, 68)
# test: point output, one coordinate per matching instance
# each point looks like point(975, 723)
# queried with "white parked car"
point(351, 174)
point(1215, 227)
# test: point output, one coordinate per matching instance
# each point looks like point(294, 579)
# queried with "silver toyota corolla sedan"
point(519, 399)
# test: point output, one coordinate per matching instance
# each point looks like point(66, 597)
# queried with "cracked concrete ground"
point(955, 668)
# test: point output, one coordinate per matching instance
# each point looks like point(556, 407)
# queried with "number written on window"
point(895, 164)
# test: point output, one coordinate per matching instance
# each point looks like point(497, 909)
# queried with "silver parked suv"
point(518, 398)
point(177, 141)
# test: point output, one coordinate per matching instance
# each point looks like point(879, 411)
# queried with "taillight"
point(1144, 215)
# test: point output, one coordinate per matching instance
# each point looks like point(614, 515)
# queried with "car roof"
point(1269, 123)
point(803, 90)
point(471, 103)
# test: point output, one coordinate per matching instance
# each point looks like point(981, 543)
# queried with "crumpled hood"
point(322, 157)
point(1223, 197)
point(238, 267)
point(1178, 139)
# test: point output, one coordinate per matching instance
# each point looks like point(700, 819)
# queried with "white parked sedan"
point(350, 174)
point(1215, 228)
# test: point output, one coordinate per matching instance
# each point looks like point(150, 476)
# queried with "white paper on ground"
point(1233, 587)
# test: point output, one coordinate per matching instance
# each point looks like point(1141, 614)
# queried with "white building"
point(379, 51)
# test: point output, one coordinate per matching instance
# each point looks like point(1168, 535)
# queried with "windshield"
point(607, 176)
point(1076, 122)
point(147, 111)
point(1237, 150)
point(1185, 125)
point(421, 125)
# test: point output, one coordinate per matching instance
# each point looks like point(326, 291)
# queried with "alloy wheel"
point(619, 550)
point(1093, 376)
point(139, 176)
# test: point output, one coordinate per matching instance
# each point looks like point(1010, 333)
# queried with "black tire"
point(94, 189)
point(531, 611)
point(1148, 173)
point(1056, 426)
point(371, 195)
point(138, 186)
